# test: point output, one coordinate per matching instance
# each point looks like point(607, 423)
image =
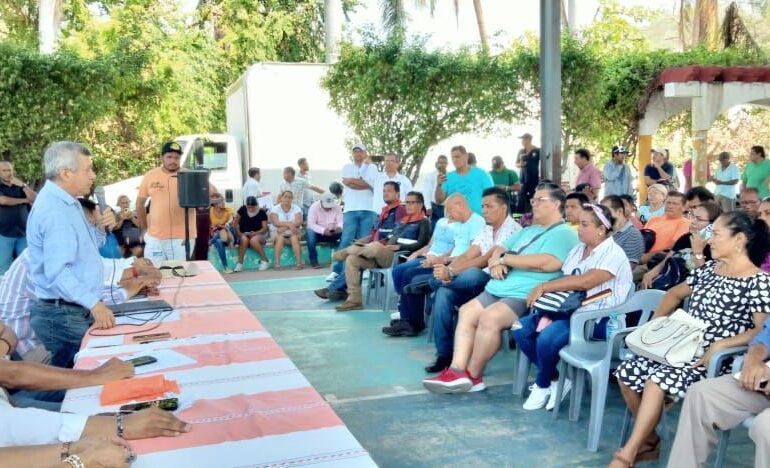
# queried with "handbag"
point(674, 272)
point(672, 340)
point(559, 305)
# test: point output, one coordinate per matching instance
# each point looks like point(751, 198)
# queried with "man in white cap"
point(358, 179)
point(324, 224)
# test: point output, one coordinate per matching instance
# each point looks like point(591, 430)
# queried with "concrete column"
point(550, 90)
point(699, 157)
point(332, 29)
point(643, 149)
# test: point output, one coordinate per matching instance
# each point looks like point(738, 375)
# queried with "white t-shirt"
point(32, 426)
point(283, 216)
point(309, 194)
point(404, 183)
point(297, 187)
point(607, 256)
point(251, 189)
point(359, 200)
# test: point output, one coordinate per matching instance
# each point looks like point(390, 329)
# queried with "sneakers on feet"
point(264, 266)
point(238, 267)
point(401, 328)
point(537, 398)
point(449, 381)
point(442, 362)
point(552, 399)
point(228, 270)
point(332, 276)
point(478, 383)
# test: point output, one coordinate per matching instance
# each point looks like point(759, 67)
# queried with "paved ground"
point(374, 383)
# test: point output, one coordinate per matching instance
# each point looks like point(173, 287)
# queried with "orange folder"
point(119, 392)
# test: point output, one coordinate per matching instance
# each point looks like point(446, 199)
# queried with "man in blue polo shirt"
point(465, 179)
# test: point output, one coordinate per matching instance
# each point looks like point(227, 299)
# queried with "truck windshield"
point(214, 156)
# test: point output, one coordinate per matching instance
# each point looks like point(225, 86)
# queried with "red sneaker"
point(449, 381)
point(477, 383)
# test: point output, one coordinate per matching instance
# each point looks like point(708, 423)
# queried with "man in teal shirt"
point(757, 172)
point(531, 256)
point(465, 179)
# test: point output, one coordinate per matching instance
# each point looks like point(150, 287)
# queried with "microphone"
point(99, 192)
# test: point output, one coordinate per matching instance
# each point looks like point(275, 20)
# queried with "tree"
point(398, 97)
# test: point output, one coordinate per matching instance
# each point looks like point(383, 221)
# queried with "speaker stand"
point(187, 234)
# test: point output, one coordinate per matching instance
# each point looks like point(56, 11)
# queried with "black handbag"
point(559, 305)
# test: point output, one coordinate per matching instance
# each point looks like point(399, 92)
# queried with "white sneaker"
point(264, 266)
point(395, 316)
point(537, 398)
point(238, 267)
point(552, 400)
point(332, 276)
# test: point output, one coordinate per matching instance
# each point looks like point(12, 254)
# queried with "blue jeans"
point(464, 287)
point(542, 348)
point(436, 213)
point(404, 273)
point(313, 238)
point(219, 244)
point(50, 401)
point(411, 306)
point(10, 248)
point(355, 225)
point(339, 283)
point(60, 328)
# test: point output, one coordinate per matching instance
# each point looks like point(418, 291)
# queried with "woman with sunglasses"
point(692, 247)
point(596, 264)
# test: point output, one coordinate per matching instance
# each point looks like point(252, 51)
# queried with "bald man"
point(15, 201)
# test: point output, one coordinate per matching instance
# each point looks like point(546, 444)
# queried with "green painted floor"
point(374, 383)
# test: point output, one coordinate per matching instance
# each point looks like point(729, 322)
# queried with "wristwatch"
point(501, 257)
point(699, 256)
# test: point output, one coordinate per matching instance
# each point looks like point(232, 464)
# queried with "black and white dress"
point(726, 304)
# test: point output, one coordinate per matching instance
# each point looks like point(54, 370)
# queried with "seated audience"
point(692, 248)
point(32, 426)
point(466, 276)
point(723, 293)
point(250, 225)
point(586, 190)
point(596, 264)
point(631, 212)
point(696, 196)
point(625, 234)
point(749, 201)
point(126, 229)
point(324, 224)
point(531, 256)
point(410, 234)
point(390, 215)
point(285, 223)
point(669, 227)
point(722, 404)
point(465, 228)
point(656, 203)
point(573, 206)
point(221, 238)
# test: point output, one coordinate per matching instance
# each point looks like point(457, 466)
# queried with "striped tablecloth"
point(248, 403)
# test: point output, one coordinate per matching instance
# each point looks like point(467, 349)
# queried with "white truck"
point(276, 113)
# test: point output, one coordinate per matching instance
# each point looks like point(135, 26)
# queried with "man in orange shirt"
point(164, 227)
point(669, 227)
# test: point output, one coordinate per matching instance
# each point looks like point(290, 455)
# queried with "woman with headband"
point(596, 264)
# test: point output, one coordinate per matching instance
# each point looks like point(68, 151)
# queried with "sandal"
point(617, 456)
point(649, 452)
point(299, 267)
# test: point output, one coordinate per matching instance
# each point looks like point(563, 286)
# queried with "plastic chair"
point(724, 436)
point(585, 356)
point(383, 278)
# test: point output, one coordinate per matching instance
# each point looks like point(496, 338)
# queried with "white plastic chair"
point(585, 356)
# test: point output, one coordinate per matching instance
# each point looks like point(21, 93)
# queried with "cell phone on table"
point(142, 361)
point(152, 337)
point(167, 404)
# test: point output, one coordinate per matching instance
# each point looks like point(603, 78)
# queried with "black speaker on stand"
point(193, 192)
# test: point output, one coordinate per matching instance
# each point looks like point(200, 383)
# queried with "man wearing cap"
point(164, 226)
point(528, 163)
point(358, 179)
point(659, 171)
point(617, 174)
point(726, 181)
point(324, 224)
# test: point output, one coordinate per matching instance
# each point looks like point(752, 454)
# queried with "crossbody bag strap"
point(534, 239)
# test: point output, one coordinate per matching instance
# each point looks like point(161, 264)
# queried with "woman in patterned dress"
point(732, 295)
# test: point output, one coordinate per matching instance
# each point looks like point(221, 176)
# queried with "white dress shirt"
point(32, 426)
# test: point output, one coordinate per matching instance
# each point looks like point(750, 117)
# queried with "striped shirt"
point(607, 256)
point(16, 290)
point(630, 240)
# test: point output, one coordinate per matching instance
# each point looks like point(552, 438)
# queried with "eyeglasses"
point(691, 214)
point(535, 201)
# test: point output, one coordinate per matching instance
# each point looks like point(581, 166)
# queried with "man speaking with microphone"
point(164, 226)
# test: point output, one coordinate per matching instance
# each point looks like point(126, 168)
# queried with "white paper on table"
point(104, 341)
point(167, 359)
point(138, 319)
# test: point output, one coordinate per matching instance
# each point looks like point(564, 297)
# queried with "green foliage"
point(398, 97)
point(48, 98)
